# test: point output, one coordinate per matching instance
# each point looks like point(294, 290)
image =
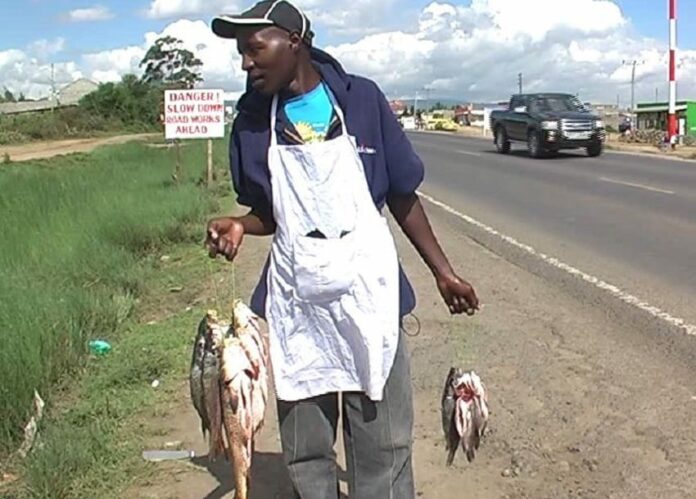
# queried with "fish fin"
point(450, 455)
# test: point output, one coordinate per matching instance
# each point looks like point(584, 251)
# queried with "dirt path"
point(581, 406)
point(41, 150)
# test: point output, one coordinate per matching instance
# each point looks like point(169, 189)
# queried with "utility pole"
point(633, 86)
point(519, 82)
point(633, 65)
point(672, 117)
point(53, 87)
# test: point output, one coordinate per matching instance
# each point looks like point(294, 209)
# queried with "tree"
point(168, 63)
point(130, 101)
point(7, 96)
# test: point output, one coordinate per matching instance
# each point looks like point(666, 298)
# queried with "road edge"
point(614, 301)
point(609, 148)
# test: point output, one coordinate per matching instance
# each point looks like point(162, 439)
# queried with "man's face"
point(269, 56)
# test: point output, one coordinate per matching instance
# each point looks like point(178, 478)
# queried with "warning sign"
point(194, 114)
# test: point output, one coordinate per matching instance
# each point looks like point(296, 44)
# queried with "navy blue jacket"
point(391, 165)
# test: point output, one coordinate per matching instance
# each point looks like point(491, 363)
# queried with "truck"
point(547, 123)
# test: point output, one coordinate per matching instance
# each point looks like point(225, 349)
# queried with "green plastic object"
point(99, 347)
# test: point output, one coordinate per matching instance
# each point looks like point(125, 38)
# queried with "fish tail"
point(450, 456)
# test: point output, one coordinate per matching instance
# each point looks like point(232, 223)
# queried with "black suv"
point(547, 123)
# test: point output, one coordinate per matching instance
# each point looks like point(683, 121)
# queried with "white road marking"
point(689, 329)
point(470, 153)
point(638, 186)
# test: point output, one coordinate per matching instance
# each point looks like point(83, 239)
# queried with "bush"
point(8, 136)
point(131, 101)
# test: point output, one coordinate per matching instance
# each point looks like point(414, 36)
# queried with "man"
point(316, 154)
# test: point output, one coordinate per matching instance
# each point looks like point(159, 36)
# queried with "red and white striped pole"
point(672, 120)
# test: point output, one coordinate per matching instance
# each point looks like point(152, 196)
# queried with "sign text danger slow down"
point(194, 114)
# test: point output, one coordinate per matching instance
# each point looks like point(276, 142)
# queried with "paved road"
point(628, 219)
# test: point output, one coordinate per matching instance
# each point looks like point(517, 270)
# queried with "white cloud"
point(110, 65)
point(23, 72)
point(32, 77)
point(472, 52)
point(476, 52)
point(89, 14)
point(168, 9)
point(348, 17)
point(344, 17)
point(42, 48)
point(535, 19)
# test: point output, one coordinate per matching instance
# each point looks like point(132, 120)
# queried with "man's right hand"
point(224, 237)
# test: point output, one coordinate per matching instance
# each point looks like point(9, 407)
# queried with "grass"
point(92, 443)
point(76, 256)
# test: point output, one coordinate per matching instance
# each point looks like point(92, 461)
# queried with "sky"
point(471, 50)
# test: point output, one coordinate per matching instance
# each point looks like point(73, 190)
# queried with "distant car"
point(547, 123)
point(437, 121)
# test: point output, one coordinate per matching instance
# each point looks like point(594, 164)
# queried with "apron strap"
point(339, 113)
point(337, 108)
point(274, 112)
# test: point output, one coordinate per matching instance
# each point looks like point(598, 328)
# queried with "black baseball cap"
point(281, 13)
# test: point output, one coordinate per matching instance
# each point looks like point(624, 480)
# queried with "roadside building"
point(67, 96)
point(653, 116)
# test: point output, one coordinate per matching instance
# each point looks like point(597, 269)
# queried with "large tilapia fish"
point(229, 386)
point(204, 380)
point(245, 374)
point(464, 413)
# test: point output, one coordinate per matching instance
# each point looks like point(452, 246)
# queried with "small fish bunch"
point(229, 387)
point(464, 413)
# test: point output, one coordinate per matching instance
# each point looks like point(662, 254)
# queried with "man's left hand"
point(458, 294)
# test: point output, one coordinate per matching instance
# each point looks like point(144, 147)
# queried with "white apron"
point(333, 302)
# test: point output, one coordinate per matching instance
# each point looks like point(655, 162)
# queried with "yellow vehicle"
point(438, 121)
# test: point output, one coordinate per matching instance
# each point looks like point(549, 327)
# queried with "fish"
point(465, 413)
point(204, 381)
point(448, 406)
point(244, 375)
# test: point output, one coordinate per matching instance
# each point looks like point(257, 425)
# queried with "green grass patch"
point(77, 238)
point(92, 448)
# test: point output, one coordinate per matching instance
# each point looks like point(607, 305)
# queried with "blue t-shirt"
point(311, 113)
